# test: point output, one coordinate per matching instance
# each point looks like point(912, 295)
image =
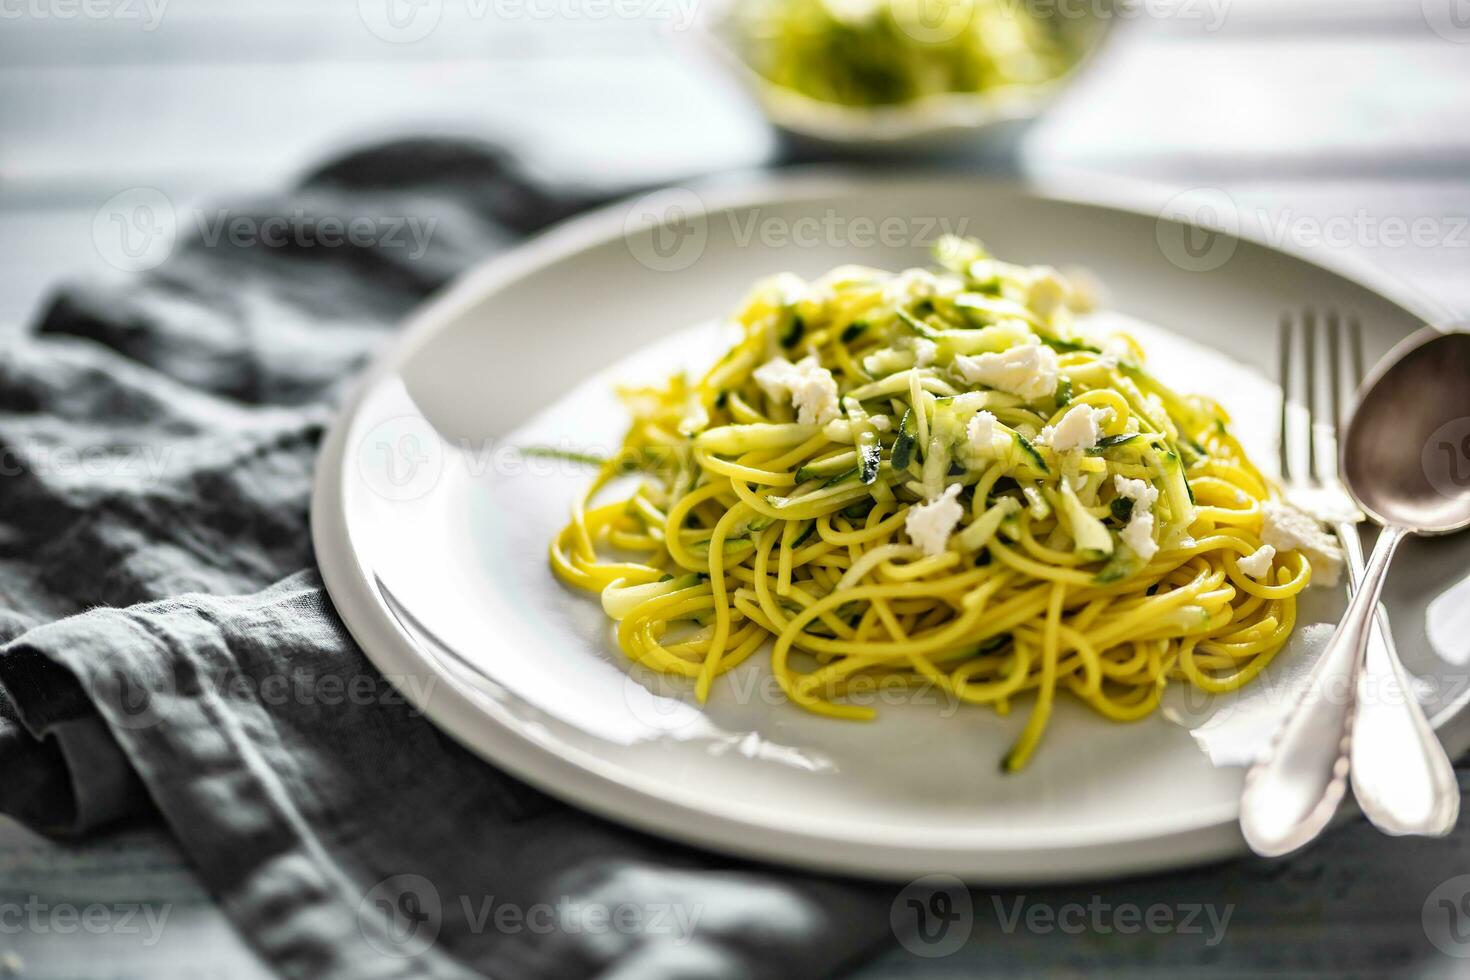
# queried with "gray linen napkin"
point(169, 649)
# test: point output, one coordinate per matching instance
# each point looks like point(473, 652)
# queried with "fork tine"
point(1334, 372)
point(1355, 343)
point(1283, 342)
point(1309, 365)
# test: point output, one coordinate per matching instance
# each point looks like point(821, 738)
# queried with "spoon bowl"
point(1406, 456)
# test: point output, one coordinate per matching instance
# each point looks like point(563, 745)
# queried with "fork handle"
point(1292, 792)
point(1401, 776)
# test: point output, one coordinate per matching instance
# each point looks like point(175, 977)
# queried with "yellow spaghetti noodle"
point(935, 478)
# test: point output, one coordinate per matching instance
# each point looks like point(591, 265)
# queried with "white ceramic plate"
point(431, 533)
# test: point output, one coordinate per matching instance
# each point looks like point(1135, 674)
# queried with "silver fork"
point(1353, 716)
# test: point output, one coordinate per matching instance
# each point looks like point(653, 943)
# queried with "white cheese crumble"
point(925, 351)
point(811, 388)
point(1143, 494)
point(930, 525)
point(1080, 428)
point(1139, 534)
point(1115, 352)
point(1258, 563)
point(774, 378)
point(912, 285)
point(981, 432)
point(1027, 370)
point(1048, 291)
point(1289, 529)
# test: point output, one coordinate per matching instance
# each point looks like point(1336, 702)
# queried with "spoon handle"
point(1401, 776)
point(1293, 791)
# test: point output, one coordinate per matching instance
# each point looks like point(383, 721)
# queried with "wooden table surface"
point(1341, 126)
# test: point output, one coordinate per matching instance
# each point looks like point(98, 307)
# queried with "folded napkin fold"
point(169, 648)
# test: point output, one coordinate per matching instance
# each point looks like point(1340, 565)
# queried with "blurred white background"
point(1308, 110)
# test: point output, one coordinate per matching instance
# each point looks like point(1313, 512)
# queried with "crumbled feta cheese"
point(1258, 563)
point(982, 433)
point(930, 525)
point(815, 398)
point(774, 378)
point(925, 351)
point(1143, 494)
point(1027, 370)
point(1139, 534)
point(912, 285)
point(1114, 352)
point(1080, 428)
point(811, 388)
point(1048, 291)
point(1289, 529)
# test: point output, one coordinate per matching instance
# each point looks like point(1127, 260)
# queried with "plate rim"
point(456, 706)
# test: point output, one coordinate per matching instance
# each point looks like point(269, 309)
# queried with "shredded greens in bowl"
point(894, 52)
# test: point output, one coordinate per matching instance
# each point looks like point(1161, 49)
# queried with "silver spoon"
point(1407, 484)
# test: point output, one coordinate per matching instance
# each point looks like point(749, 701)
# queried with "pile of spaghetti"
point(935, 477)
